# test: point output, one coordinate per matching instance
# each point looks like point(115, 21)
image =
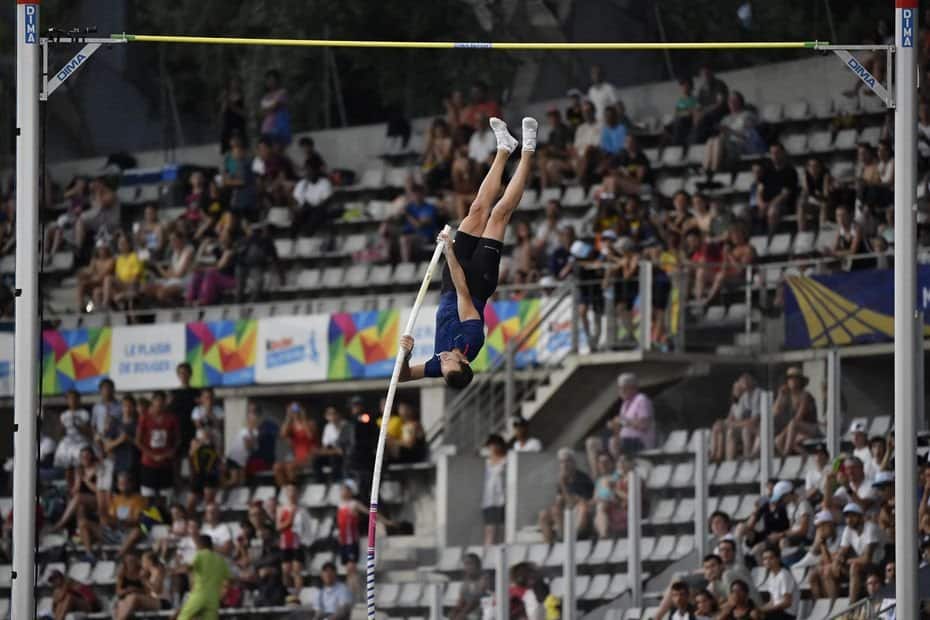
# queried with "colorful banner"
point(504, 320)
point(145, 357)
point(424, 333)
point(363, 345)
point(6, 363)
point(292, 349)
point(222, 353)
point(847, 308)
point(75, 359)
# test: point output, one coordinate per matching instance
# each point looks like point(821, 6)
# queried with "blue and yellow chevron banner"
point(846, 308)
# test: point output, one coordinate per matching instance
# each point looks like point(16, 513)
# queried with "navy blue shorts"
point(481, 261)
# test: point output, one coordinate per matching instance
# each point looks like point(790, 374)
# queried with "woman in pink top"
point(636, 422)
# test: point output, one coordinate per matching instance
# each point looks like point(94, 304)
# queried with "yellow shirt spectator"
point(128, 268)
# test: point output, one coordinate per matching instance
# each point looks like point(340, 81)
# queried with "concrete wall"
point(459, 485)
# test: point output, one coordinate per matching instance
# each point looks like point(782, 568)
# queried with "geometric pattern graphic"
point(855, 308)
point(363, 344)
point(222, 353)
point(75, 359)
point(504, 321)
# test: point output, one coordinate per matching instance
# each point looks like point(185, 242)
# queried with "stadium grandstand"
point(684, 407)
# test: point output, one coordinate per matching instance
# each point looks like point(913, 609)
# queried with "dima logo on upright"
point(71, 67)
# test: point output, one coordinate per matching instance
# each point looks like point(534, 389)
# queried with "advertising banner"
point(145, 356)
point(292, 349)
point(222, 353)
point(75, 359)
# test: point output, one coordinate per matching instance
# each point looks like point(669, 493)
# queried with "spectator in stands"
point(493, 496)
point(778, 191)
point(207, 284)
point(522, 442)
point(274, 172)
point(437, 157)
point(854, 486)
point(70, 596)
point(157, 438)
point(738, 254)
point(784, 593)
point(256, 256)
point(613, 134)
point(621, 282)
point(208, 414)
point(232, 113)
point(183, 400)
point(454, 105)
point(634, 171)
point(150, 233)
point(820, 555)
point(291, 521)
point(816, 198)
point(527, 592)
point(481, 105)
point(241, 449)
point(205, 468)
point(574, 490)
point(818, 469)
point(482, 146)
point(466, 177)
point(721, 527)
point(475, 586)
point(209, 572)
point(712, 96)
point(546, 239)
point(794, 413)
point(334, 601)
point(101, 221)
point(421, 225)
point(585, 263)
point(153, 596)
point(311, 157)
point(876, 180)
point(335, 446)
point(860, 548)
point(302, 435)
point(220, 533)
point(238, 179)
point(348, 514)
point(858, 434)
point(411, 447)
point(686, 109)
point(738, 605)
point(119, 440)
point(768, 524)
point(553, 156)
point(585, 147)
point(173, 277)
point(276, 118)
point(849, 240)
point(681, 604)
point(559, 261)
point(119, 524)
point(740, 427)
point(601, 93)
point(705, 606)
point(635, 422)
point(83, 489)
point(523, 256)
point(77, 200)
point(123, 285)
point(609, 503)
point(75, 422)
point(737, 136)
point(90, 279)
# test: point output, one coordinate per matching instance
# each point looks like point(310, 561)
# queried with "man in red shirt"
point(157, 437)
point(482, 105)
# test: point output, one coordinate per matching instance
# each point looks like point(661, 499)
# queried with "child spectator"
point(494, 496)
point(75, 422)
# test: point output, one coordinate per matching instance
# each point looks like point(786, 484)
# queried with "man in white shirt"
point(522, 442)
point(858, 488)
point(860, 547)
point(310, 195)
point(237, 456)
point(817, 470)
point(482, 146)
point(586, 145)
point(785, 596)
point(860, 441)
point(209, 417)
point(601, 93)
point(219, 532)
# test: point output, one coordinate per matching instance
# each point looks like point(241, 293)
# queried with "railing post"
point(766, 441)
point(576, 319)
point(610, 307)
point(682, 310)
point(645, 305)
point(834, 412)
point(748, 321)
point(569, 604)
point(699, 444)
point(510, 389)
point(634, 567)
point(502, 585)
point(436, 593)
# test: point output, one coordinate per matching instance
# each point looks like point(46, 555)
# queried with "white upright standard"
point(906, 382)
point(26, 343)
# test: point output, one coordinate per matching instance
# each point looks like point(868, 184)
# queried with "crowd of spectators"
point(112, 474)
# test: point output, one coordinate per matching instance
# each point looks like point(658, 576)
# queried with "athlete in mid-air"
point(469, 277)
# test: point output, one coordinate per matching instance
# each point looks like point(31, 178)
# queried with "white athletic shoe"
point(529, 133)
point(504, 139)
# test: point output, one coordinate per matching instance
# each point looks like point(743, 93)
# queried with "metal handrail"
point(873, 615)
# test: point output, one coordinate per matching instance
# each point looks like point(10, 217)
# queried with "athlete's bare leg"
point(490, 188)
point(500, 214)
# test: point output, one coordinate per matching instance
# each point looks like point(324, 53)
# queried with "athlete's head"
point(455, 369)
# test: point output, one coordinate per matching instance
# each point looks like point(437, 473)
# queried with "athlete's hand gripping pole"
point(382, 436)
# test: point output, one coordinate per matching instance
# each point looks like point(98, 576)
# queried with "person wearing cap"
point(494, 495)
point(621, 279)
point(858, 433)
point(740, 427)
point(795, 414)
point(586, 264)
point(819, 556)
point(575, 489)
point(768, 523)
point(785, 595)
point(818, 468)
point(521, 441)
point(861, 547)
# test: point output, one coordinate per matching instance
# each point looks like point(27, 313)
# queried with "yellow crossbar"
point(160, 38)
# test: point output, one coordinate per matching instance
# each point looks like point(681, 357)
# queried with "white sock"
point(529, 133)
point(504, 139)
